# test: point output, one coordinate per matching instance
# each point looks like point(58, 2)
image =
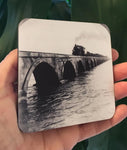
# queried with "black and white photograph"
point(65, 74)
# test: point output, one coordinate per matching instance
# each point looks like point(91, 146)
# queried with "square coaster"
point(65, 74)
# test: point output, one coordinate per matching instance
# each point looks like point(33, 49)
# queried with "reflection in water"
point(71, 103)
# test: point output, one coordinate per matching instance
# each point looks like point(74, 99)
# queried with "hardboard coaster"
point(65, 74)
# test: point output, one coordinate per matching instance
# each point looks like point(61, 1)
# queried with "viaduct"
point(51, 69)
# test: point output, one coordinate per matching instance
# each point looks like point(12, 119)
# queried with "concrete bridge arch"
point(80, 67)
point(31, 70)
point(69, 71)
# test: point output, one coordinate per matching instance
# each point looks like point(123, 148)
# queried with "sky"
point(60, 36)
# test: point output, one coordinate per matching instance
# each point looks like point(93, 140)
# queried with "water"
point(88, 98)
